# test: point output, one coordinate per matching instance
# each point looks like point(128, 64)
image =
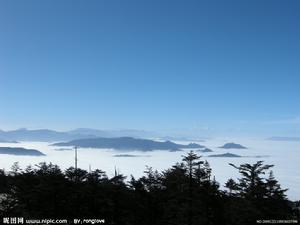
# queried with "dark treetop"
point(184, 194)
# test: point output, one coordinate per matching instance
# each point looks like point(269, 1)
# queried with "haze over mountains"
point(284, 138)
point(46, 135)
point(8, 141)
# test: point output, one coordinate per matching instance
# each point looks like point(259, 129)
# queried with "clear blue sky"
point(154, 65)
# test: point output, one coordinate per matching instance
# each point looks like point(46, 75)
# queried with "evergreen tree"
point(186, 194)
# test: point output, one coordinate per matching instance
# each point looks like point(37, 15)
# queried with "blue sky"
point(208, 67)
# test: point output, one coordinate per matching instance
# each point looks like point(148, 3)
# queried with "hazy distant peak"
point(205, 150)
point(233, 145)
point(20, 129)
point(228, 154)
point(8, 141)
point(284, 138)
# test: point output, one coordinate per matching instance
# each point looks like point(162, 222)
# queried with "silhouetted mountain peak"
point(233, 145)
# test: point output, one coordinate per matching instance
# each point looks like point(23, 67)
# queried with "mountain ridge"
point(127, 143)
point(20, 151)
point(47, 135)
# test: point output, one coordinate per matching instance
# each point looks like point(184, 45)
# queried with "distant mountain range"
point(46, 135)
point(284, 138)
point(39, 135)
point(20, 151)
point(8, 141)
point(232, 146)
point(128, 143)
point(129, 156)
point(205, 150)
point(229, 155)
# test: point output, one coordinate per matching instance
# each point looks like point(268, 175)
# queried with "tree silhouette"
point(251, 184)
point(186, 193)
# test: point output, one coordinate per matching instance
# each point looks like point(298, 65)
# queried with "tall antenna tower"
point(116, 173)
point(75, 148)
